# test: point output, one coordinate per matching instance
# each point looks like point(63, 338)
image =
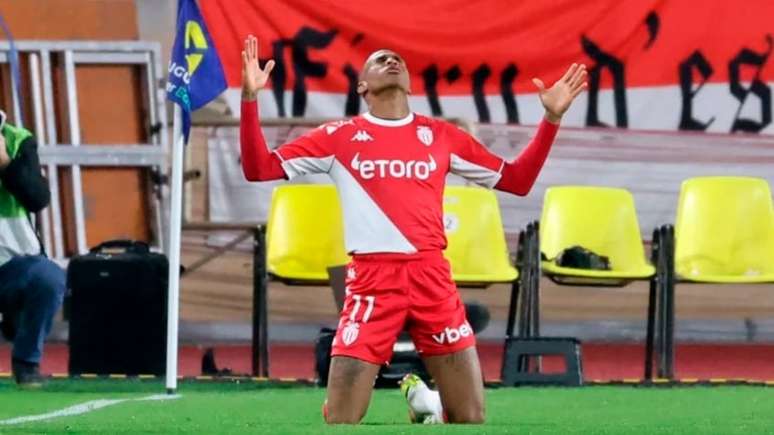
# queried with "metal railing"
point(57, 152)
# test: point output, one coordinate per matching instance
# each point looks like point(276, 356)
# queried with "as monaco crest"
point(425, 135)
point(350, 333)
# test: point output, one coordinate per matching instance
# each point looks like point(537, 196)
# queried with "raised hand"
point(253, 77)
point(557, 98)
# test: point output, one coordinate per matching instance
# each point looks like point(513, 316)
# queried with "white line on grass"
point(83, 408)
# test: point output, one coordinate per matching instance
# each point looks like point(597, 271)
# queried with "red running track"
point(601, 361)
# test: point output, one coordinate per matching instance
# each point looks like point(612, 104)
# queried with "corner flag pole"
point(195, 78)
point(175, 223)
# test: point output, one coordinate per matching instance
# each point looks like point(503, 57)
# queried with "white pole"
point(173, 249)
point(17, 116)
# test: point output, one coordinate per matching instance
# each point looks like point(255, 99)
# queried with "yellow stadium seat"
point(305, 233)
point(602, 220)
point(723, 234)
point(724, 231)
point(477, 249)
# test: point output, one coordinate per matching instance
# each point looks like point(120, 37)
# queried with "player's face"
point(383, 69)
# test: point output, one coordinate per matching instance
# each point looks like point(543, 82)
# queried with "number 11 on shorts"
point(352, 329)
point(369, 309)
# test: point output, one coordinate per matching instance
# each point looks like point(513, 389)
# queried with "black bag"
point(405, 360)
point(118, 310)
point(579, 257)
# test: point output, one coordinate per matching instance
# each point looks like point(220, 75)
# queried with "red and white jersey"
point(390, 175)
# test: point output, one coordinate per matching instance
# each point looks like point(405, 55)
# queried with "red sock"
point(325, 411)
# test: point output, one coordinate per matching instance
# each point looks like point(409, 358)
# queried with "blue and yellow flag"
point(195, 72)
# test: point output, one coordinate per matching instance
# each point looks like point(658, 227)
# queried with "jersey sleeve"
point(258, 163)
point(312, 153)
point(518, 176)
point(472, 160)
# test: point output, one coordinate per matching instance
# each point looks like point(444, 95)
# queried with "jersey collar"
point(389, 122)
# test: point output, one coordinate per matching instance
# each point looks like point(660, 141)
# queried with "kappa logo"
point(425, 135)
point(361, 136)
point(350, 333)
point(453, 335)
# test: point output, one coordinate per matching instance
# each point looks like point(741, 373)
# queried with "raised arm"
point(519, 175)
point(475, 162)
point(258, 163)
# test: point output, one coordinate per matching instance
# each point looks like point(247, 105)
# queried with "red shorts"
point(389, 292)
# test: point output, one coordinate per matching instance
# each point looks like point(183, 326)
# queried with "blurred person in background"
point(31, 285)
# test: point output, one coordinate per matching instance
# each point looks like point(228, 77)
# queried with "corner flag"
point(195, 78)
point(195, 72)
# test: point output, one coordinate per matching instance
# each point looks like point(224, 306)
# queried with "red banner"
point(494, 47)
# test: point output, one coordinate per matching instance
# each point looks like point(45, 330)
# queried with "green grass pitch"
point(219, 408)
